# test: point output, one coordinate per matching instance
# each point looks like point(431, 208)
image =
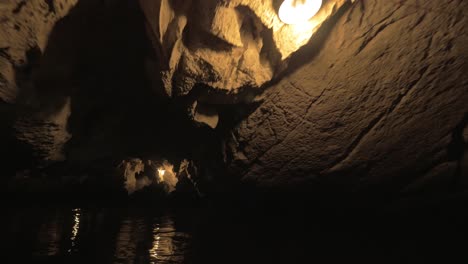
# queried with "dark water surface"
point(107, 235)
point(64, 234)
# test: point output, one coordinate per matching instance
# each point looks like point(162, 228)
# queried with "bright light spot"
point(161, 174)
point(75, 228)
point(76, 224)
point(298, 11)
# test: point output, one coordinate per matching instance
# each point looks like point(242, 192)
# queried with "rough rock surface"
point(225, 45)
point(138, 174)
point(68, 75)
point(24, 26)
point(384, 102)
point(377, 98)
point(47, 135)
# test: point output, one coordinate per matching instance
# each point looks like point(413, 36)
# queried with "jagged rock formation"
point(24, 27)
point(226, 45)
point(375, 99)
point(46, 134)
point(383, 103)
point(138, 174)
point(68, 80)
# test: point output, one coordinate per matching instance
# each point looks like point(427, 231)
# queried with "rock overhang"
point(225, 45)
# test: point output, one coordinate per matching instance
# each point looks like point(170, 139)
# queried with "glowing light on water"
point(168, 243)
point(298, 11)
point(75, 228)
point(155, 249)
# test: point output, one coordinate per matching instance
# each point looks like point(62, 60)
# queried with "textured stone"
point(206, 115)
point(376, 105)
point(373, 99)
point(25, 25)
point(46, 134)
point(225, 45)
point(7, 81)
point(138, 174)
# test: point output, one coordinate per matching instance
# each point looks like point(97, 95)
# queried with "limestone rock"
point(375, 107)
point(7, 81)
point(46, 134)
point(25, 25)
point(207, 115)
point(226, 45)
point(130, 170)
point(138, 174)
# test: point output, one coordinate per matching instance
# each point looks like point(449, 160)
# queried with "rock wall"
point(381, 105)
point(375, 101)
point(225, 45)
point(76, 85)
point(25, 27)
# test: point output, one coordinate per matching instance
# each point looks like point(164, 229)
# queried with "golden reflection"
point(155, 249)
point(75, 228)
point(295, 12)
point(168, 245)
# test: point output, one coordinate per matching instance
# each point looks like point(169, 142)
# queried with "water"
point(150, 236)
point(231, 235)
point(106, 234)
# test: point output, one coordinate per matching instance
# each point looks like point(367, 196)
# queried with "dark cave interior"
point(350, 146)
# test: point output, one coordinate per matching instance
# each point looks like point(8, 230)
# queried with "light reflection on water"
point(121, 236)
point(167, 243)
point(75, 228)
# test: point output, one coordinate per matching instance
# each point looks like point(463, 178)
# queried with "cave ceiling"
point(225, 45)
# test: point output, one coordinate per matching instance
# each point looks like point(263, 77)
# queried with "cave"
point(234, 131)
